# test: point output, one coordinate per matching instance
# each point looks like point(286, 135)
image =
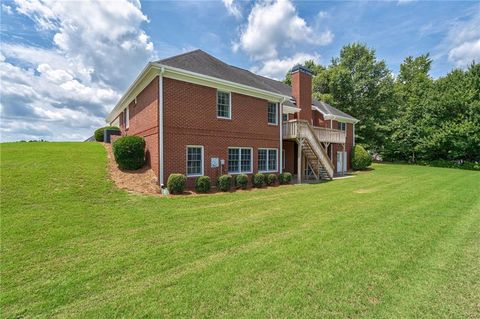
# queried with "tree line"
point(408, 117)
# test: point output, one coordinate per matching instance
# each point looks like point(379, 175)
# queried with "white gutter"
point(140, 76)
point(219, 81)
point(328, 116)
point(158, 67)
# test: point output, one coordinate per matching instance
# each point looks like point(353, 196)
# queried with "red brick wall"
point(302, 92)
point(190, 118)
point(289, 147)
point(144, 122)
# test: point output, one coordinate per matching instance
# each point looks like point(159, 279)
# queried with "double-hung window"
point(239, 160)
point(194, 160)
point(127, 117)
point(285, 117)
point(342, 126)
point(224, 105)
point(272, 113)
point(267, 160)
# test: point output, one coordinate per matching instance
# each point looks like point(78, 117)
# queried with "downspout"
point(160, 125)
point(280, 121)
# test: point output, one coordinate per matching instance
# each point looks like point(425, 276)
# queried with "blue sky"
point(64, 64)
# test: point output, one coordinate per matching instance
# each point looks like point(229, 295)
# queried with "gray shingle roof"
point(328, 109)
point(201, 62)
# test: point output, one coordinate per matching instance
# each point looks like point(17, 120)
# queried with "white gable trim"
point(151, 70)
point(338, 118)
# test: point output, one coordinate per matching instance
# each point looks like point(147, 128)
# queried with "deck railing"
point(293, 128)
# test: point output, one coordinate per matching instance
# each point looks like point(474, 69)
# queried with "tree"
point(412, 88)
point(363, 87)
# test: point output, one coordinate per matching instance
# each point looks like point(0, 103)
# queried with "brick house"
point(201, 116)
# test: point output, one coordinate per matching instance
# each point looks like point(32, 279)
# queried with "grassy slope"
point(400, 241)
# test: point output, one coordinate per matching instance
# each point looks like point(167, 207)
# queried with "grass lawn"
point(396, 242)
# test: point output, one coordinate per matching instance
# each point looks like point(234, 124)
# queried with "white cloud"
point(97, 48)
point(462, 42)
point(464, 54)
point(400, 2)
point(7, 9)
point(233, 8)
point(277, 68)
point(276, 24)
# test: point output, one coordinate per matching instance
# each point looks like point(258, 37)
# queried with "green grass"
point(396, 242)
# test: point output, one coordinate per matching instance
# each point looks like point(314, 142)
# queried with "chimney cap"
point(301, 68)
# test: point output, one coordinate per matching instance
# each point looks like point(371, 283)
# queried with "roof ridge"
point(265, 77)
point(179, 55)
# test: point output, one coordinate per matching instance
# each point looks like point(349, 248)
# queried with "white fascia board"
point(290, 109)
point(151, 70)
point(314, 107)
point(205, 80)
point(341, 119)
point(337, 118)
point(142, 80)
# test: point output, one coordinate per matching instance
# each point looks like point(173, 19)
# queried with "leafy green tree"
point(412, 89)
point(362, 86)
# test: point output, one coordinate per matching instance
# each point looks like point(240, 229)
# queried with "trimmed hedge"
point(176, 183)
point(271, 179)
point(285, 178)
point(129, 152)
point(474, 166)
point(360, 158)
point(242, 181)
point(224, 183)
point(202, 184)
point(99, 132)
point(258, 180)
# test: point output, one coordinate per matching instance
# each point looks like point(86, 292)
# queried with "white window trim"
point(268, 151)
point(229, 105)
point(276, 114)
point(127, 117)
point(240, 160)
point(186, 161)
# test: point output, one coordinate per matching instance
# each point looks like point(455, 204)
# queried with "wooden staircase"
point(310, 141)
point(315, 166)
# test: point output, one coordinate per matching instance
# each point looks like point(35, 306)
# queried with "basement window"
point(267, 160)
point(239, 160)
point(194, 160)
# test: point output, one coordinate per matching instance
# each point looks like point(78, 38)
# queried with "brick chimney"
point(302, 91)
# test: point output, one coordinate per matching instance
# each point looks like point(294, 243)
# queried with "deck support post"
point(299, 161)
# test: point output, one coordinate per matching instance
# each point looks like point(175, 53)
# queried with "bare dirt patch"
point(140, 181)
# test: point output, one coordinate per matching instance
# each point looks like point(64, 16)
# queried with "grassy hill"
point(398, 241)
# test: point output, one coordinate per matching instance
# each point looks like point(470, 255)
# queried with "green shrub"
point(271, 179)
point(99, 132)
point(285, 178)
point(360, 158)
point(258, 180)
point(224, 183)
point(202, 184)
point(129, 152)
point(242, 181)
point(176, 183)
point(474, 166)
